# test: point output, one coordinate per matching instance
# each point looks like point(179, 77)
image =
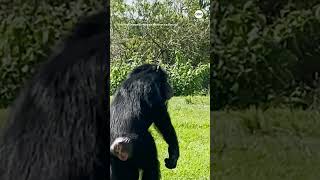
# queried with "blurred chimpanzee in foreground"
point(57, 128)
point(140, 101)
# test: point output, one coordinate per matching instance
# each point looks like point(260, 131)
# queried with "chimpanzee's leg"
point(152, 172)
point(123, 170)
point(149, 159)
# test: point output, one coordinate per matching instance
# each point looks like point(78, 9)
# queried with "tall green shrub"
point(28, 29)
point(184, 78)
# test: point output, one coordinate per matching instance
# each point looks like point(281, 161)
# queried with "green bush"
point(184, 78)
point(27, 32)
point(188, 80)
point(262, 55)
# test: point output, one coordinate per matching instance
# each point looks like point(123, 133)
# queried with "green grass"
point(191, 119)
point(276, 144)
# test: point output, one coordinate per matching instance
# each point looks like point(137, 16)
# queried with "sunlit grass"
point(191, 119)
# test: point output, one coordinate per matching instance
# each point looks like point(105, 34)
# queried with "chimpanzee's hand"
point(170, 163)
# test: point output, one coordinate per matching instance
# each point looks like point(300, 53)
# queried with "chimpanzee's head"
point(159, 76)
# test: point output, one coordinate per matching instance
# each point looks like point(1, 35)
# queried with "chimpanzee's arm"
point(163, 123)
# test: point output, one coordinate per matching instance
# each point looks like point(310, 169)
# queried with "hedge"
point(28, 30)
point(183, 77)
point(264, 53)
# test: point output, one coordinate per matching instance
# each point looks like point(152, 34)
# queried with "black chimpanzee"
point(57, 126)
point(140, 101)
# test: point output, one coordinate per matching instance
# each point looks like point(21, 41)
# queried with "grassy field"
point(276, 144)
point(191, 119)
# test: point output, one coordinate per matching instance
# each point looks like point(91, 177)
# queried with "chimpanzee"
point(140, 101)
point(57, 127)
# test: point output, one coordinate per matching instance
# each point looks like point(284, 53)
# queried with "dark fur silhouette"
point(139, 102)
point(57, 126)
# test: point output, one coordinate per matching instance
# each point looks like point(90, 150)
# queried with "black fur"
point(139, 102)
point(57, 126)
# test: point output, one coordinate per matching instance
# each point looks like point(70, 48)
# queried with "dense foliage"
point(166, 33)
point(28, 29)
point(184, 78)
point(265, 52)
